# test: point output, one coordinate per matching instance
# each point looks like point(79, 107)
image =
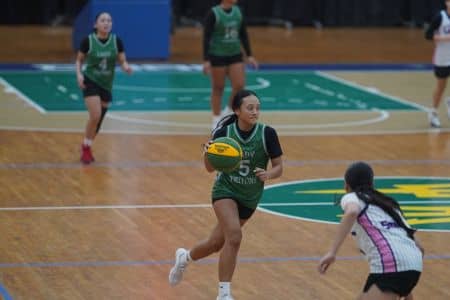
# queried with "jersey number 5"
point(244, 169)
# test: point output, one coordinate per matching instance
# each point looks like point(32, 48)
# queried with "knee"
point(94, 118)
point(234, 238)
point(238, 86)
point(218, 89)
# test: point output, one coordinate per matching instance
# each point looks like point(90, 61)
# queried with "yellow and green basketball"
point(224, 154)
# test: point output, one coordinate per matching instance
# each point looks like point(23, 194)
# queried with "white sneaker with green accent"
point(433, 118)
point(181, 262)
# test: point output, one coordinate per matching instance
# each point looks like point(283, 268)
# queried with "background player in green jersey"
point(224, 32)
point(100, 50)
point(235, 195)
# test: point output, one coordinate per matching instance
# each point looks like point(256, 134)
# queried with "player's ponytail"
point(359, 176)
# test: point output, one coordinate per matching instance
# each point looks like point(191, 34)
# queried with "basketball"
point(224, 154)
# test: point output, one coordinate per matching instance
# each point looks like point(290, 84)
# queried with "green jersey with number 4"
point(101, 60)
point(242, 184)
point(225, 39)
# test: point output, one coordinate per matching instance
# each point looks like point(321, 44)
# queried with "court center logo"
point(424, 201)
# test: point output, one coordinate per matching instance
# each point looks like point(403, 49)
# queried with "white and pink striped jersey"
point(384, 243)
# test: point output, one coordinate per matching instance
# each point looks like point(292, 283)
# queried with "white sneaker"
point(181, 262)
point(227, 297)
point(226, 111)
point(433, 118)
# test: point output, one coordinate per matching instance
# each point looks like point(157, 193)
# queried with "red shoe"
point(86, 155)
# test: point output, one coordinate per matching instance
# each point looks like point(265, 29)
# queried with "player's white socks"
point(87, 142)
point(188, 256)
point(224, 289)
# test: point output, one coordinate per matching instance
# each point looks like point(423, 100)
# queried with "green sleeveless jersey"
point(101, 61)
point(242, 184)
point(225, 39)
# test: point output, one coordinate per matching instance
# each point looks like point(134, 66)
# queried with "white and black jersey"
point(440, 25)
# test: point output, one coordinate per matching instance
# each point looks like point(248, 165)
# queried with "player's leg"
point(104, 110)
point(441, 84)
point(441, 74)
point(93, 105)
point(106, 97)
point(218, 76)
point(374, 293)
point(236, 73)
point(209, 246)
point(228, 216)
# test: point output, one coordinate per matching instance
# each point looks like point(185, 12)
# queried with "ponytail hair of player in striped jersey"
point(359, 176)
point(235, 104)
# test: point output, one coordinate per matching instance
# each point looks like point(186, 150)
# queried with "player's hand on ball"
point(205, 146)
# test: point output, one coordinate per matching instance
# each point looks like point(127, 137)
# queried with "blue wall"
point(143, 25)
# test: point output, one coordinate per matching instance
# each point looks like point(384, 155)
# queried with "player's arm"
point(351, 211)
point(431, 32)
point(81, 56)
point(78, 66)
point(274, 172)
point(124, 64)
point(275, 153)
point(245, 41)
point(122, 58)
point(208, 27)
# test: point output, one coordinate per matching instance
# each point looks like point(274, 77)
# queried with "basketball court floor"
point(109, 230)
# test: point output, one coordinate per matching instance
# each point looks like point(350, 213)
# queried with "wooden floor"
point(109, 230)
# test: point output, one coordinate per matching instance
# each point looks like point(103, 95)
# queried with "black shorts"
point(244, 212)
point(400, 283)
point(94, 89)
point(223, 61)
point(441, 72)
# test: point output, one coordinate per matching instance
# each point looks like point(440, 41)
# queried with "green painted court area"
point(184, 91)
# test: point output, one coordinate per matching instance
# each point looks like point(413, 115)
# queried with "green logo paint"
point(424, 201)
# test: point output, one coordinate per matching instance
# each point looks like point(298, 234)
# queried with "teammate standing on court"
point(224, 32)
point(439, 32)
point(383, 235)
point(236, 195)
point(100, 50)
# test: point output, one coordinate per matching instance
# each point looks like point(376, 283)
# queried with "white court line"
point(202, 133)
point(22, 96)
point(154, 122)
point(262, 84)
point(383, 115)
point(157, 206)
point(368, 90)
point(87, 207)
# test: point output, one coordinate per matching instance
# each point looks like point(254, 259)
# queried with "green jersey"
point(225, 39)
point(101, 61)
point(242, 184)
